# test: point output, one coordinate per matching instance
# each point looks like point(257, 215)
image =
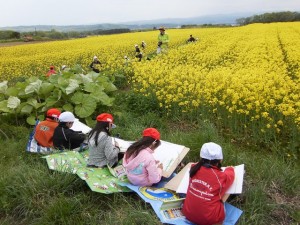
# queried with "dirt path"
point(9, 44)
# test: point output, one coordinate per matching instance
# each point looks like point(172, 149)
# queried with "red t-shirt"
point(50, 72)
point(44, 132)
point(203, 204)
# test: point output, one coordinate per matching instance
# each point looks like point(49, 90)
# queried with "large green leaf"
point(13, 102)
point(68, 107)
point(86, 78)
point(73, 85)
point(3, 87)
point(46, 89)
point(102, 97)
point(78, 98)
point(12, 91)
point(27, 109)
point(30, 120)
point(54, 98)
point(93, 87)
point(33, 87)
point(109, 87)
point(3, 107)
point(85, 105)
point(63, 83)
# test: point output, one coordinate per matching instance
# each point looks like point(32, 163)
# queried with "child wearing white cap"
point(207, 186)
point(64, 137)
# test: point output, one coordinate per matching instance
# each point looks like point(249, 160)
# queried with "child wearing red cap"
point(141, 167)
point(51, 71)
point(45, 129)
point(207, 186)
point(102, 151)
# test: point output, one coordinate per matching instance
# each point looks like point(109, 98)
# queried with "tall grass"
point(33, 194)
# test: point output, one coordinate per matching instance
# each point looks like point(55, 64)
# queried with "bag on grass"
point(33, 146)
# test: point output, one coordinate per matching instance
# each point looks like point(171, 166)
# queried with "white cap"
point(135, 45)
point(95, 57)
point(63, 67)
point(66, 117)
point(211, 151)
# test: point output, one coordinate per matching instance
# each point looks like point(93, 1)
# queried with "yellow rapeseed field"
point(250, 74)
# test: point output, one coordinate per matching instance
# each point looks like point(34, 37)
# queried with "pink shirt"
point(142, 169)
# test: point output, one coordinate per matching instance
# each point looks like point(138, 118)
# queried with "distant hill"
point(136, 25)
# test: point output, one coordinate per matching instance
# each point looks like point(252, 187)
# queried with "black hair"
point(205, 162)
point(141, 144)
point(100, 126)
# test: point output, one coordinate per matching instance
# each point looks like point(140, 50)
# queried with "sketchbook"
point(181, 181)
point(123, 145)
point(118, 171)
point(78, 126)
point(169, 154)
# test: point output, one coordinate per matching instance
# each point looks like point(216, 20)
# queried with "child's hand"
point(160, 166)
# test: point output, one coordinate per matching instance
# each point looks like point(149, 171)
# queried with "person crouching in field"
point(45, 129)
point(102, 150)
point(64, 137)
point(51, 71)
point(95, 65)
point(207, 186)
point(140, 165)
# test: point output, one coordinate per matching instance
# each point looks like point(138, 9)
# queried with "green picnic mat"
point(98, 179)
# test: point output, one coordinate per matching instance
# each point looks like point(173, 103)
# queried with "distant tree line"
point(270, 18)
point(9, 34)
point(54, 34)
point(204, 25)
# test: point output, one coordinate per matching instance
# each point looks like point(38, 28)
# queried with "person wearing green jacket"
point(163, 40)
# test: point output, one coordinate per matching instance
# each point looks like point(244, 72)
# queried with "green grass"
point(33, 194)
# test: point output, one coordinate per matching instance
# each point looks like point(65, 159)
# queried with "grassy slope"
point(32, 194)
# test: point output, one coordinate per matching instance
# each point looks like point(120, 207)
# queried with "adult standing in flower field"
point(95, 65)
point(51, 71)
point(138, 53)
point(163, 40)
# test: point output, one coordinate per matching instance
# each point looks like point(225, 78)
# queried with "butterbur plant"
point(80, 93)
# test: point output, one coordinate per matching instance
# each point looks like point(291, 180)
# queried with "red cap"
point(151, 132)
point(53, 113)
point(105, 117)
point(52, 67)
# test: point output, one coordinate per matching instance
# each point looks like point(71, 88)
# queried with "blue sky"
point(75, 12)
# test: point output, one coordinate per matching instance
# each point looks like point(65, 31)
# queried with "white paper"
point(167, 153)
point(184, 184)
point(237, 186)
point(78, 126)
point(123, 145)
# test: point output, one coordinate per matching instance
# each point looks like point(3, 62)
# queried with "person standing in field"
point(45, 129)
point(138, 53)
point(163, 40)
point(143, 45)
point(95, 65)
point(204, 203)
point(141, 167)
point(51, 71)
point(191, 39)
